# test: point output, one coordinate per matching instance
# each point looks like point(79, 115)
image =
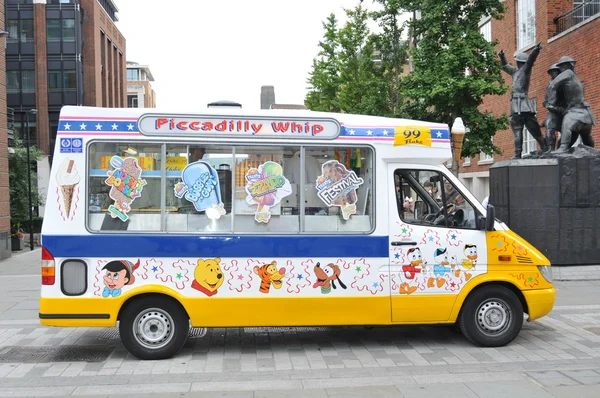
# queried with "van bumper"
point(77, 312)
point(539, 302)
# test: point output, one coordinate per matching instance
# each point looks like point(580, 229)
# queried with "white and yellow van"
point(159, 221)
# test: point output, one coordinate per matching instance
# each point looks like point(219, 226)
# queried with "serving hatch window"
point(225, 189)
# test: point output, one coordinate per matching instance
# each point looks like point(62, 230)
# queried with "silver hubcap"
point(493, 317)
point(153, 328)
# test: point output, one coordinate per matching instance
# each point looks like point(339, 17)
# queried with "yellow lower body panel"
point(540, 302)
point(230, 312)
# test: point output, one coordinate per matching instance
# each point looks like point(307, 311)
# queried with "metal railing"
point(577, 15)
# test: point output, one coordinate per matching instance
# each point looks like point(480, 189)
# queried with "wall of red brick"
point(103, 87)
point(581, 44)
point(41, 80)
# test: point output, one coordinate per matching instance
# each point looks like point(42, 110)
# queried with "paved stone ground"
point(556, 356)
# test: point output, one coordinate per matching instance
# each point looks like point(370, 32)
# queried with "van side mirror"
point(490, 217)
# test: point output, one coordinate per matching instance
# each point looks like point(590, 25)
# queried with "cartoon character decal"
point(266, 186)
point(326, 277)
point(126, 185)
point(200, 186)
point(269, 274)
point(208, 276)
point(416, 263)
point(440, 268)
point(119, 273)
point(337, 186)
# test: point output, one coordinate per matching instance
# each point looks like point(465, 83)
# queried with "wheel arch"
point(465, 294)
point(152, 295)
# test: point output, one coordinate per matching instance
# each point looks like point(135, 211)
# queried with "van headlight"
point(546, 272)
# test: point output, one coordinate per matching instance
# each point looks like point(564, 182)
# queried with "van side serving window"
point(426, 197)
point(224, 189)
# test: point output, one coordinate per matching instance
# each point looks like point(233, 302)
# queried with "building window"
point(53, 29)
point(68, 30)
point(485, 158)
point(525, 23)
point(13, 81)
point(62, 80)
point(133, 74)
point(20, 81)
point(486, 30)
point(60, 30)
point(20, 31)
point(132, 100)
point(240, 189)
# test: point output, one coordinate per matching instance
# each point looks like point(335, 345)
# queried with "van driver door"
point(435, 245)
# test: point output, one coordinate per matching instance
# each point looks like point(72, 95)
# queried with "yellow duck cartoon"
point(208, 276)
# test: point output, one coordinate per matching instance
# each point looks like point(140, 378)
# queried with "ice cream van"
point(159, 221)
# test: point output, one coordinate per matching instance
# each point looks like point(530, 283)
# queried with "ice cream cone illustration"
point(67, 178)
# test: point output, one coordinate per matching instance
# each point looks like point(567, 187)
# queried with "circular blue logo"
point(65, 143)
point(77, 143)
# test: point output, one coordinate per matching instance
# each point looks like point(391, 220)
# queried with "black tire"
point(492, 316)
point(162, 327)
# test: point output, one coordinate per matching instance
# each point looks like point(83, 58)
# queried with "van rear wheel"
point(491, 317)
point(153, 328)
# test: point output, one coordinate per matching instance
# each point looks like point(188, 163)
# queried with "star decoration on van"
point(98, 126)
point(299, 277)
point(357, 269)
point(155, 269)
point(397, 255)
point(82, 126)
point(452, 237)
point(67, 126)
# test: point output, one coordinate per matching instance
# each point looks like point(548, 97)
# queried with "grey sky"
point(201, 51)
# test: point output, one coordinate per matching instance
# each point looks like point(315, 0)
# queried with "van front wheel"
point(491, 317)
point(153, 328)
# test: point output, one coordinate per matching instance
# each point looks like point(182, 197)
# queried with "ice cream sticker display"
point(201, 187)
point(337, 187)
point(126, 185)
point(68, 179)
point(266, 186)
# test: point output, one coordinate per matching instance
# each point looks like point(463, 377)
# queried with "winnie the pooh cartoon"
point(208, 276)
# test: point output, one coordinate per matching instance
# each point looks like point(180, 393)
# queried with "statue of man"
point(577, 116)
point(522, 112)
point(554, 118)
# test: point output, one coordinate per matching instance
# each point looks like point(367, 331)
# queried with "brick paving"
point(556, 356)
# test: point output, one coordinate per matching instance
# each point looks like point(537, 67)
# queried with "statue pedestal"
point(553, 201)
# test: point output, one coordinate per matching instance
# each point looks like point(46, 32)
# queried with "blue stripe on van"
point(78, 246)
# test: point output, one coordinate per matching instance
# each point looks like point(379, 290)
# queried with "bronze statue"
point(577, 116)
point(554, 118)
point(522, 112)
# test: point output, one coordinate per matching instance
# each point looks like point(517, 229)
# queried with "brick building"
point(563, 27)
point(61, 52)
point(139, 89)
point(5, 246)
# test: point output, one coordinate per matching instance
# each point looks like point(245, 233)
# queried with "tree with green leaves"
point(324, 80)
point(392, 50)
point(454, 68)
point(19, 183)
point(344, 77)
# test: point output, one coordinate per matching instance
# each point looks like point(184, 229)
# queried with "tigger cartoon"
point(327, 275)
point(269, 274)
